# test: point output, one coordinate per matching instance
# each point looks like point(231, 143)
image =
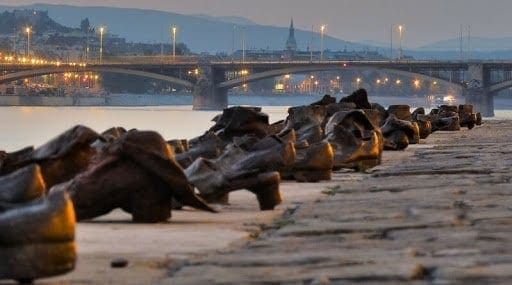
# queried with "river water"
point(24, 126)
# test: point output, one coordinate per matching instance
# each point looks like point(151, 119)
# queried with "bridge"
point(210, 80)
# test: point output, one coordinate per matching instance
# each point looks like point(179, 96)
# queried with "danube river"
point(24, 126)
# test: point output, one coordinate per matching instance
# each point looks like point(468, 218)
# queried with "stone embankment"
point(437, 213)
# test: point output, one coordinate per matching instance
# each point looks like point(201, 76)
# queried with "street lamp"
point(400, 30)
point(358, 82)
point(28, 30)
point(322, 30)
point(243, 44)
point(102, 30)
point(87, 45)
point(174, 29)
point(233, 44)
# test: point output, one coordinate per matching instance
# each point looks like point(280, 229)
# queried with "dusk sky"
point(425, 21)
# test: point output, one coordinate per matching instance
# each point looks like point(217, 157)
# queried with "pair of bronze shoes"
point(37, 229)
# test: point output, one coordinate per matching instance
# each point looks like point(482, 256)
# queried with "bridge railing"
point(193, 59)
point(119, 60)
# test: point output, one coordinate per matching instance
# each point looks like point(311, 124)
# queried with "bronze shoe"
point(399, 134)
point(239, 121)
point(60, 159)
point(359, 97)
point(312, 163)
point(238, 169)
point(37, 239)
point(467, 117)
point(21, 186)
point(356, 142)
point(138, 174)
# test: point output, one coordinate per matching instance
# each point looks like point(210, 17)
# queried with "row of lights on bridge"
point(37, 61)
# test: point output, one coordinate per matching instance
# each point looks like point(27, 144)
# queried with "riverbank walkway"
point(437, 213)
point(440, 213)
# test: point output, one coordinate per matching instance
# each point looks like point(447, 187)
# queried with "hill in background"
point(201, 33)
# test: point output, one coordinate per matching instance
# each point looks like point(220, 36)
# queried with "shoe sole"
point(32, 261)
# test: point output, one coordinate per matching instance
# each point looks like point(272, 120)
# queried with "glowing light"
point(398, 82)
point(449, 99)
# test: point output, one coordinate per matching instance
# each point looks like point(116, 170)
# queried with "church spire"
point(291, 43)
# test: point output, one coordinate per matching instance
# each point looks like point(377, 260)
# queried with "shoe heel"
point(267, 192)
point(151, 207)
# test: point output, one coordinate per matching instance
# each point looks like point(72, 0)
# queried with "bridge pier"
point(477, 93)
point(207, 96)
point(481, 100)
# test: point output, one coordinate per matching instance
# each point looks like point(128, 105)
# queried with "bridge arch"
point(55, 70)
point(303, 69)
point(500, 86)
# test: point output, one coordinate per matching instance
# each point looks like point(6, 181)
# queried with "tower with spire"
point(291, 43)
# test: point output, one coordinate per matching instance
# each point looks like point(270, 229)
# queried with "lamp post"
point(102, 30)
point(311, 44)
point(400, 30)
point(322, 30)
point(28, 30)
point(174, 29)
point(14, 48)
point(87, 49)
point(233, 43)
point(243, 44)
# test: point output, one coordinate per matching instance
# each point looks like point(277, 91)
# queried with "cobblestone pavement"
point(438, 213)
